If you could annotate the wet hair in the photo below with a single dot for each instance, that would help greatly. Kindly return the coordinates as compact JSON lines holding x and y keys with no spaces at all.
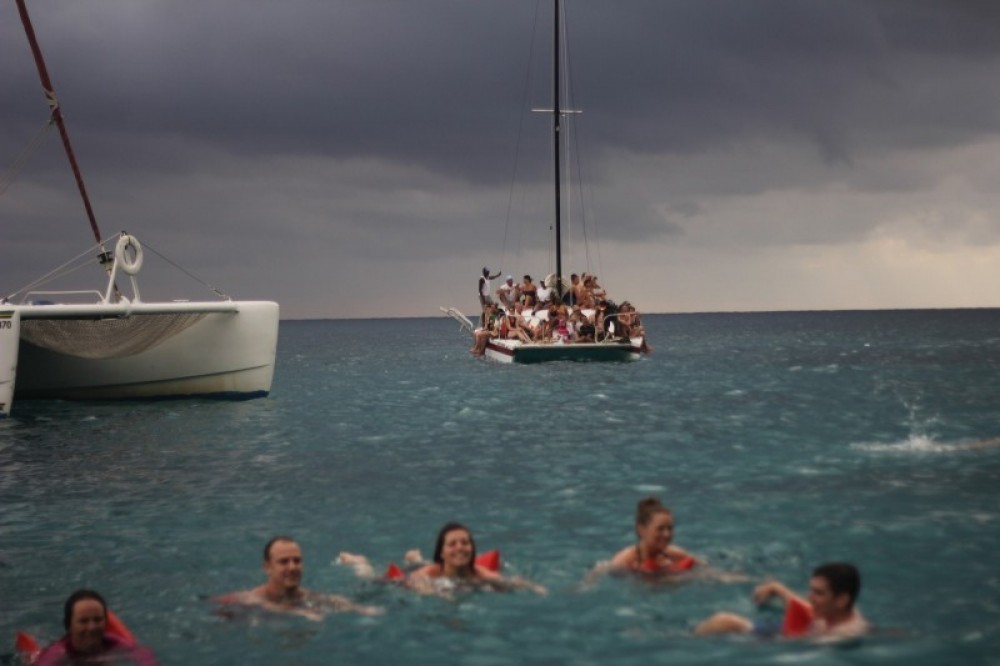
{"x":267,"y":546}
{"x":527,"y":277}
{"x":842,"y":577}
{"x":451,"y":527}
{"x":647,"y":508}
{"x":81,"y":595}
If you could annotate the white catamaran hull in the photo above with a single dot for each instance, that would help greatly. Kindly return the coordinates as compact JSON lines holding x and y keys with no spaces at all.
{"x":224,"y":349}
{"x":515,"y":351}
{"x":88,"y":344}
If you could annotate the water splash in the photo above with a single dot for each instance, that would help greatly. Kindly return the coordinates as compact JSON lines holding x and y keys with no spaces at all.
{"x":924,"y":444}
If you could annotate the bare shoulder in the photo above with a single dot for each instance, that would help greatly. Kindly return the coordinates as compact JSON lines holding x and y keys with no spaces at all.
{"x":246,"y":597}
{"x":427,"y":571}
{"x":625,"y":558}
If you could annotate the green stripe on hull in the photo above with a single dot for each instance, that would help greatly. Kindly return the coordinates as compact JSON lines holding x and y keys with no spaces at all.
{"x":596,"y":353}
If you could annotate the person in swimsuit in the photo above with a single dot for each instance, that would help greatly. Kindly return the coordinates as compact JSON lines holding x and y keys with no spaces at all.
{"x":453,"y":567}
{"x":528,"y":288}
{"x":88,"y":640}
{"x":654,"y":553}
{"x":283,"y":591}
{"x":829,"y":613}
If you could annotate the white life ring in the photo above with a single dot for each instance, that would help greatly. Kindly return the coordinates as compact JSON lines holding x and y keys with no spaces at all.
{"x":129,"y":265}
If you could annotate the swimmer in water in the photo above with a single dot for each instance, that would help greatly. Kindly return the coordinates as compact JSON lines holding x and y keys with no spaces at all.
{"x":654,"y":553}
{"x":88,"y":640}
{"x":283,"y":591}
{"x":829,"y":610}
{"x":453,"y":567}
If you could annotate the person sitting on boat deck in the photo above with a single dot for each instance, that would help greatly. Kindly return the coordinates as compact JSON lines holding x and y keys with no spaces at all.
{"x":455,"y":567}
{"x":629,"y":317}
{"x":528,"y":288}
{"x":601,"y":319}
{"x":654,"y":553}
{"x":543,"y":295}
{"x":88,"y":638}
{"x":828,"y":614}
{"x":508,"y":293}
{"x":608,"y":312}
{"x":515,"y":328}
{"x":548,"y":324}
{"x":563,"y":330}
{"x":582,"y":327}
{"x":481,"y":336}
{"x":283,"y":591}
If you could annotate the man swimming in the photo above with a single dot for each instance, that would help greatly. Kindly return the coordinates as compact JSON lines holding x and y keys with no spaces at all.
{"x":828,"y":614}
{"x":283,"y":591}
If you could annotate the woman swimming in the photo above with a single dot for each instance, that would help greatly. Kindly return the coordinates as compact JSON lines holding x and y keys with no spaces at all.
{"x":654,"y":554}
{"x":454,"y":567}
{"x":89,"y":639}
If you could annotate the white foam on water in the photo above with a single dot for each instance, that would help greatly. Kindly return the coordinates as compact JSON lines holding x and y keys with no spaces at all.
{"x":650,"y":488}
{"x":922,"y":444}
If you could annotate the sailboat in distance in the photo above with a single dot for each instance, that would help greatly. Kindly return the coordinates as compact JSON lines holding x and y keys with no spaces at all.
{"x":108,"y":343}
{"x":566,"y":329}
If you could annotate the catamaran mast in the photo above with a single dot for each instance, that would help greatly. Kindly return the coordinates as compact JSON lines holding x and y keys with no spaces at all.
{"x":556,"y":127}
{"x":56,"y":117}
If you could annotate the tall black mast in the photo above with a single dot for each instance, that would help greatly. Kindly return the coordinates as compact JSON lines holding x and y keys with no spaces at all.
{"x":556,"y":117}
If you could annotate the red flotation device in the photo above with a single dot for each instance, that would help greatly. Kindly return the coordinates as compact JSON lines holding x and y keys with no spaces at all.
{"x":798,"y":618}
{"x":488,"y":560}
{"x":651,"y":566}
{"x":28,"y":648}
{"x":114,"y":625}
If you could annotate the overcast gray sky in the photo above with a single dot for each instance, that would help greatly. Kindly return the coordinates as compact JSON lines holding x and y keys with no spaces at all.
{"x":356,"y":158}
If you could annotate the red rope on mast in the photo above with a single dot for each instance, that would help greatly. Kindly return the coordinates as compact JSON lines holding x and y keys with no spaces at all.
{"x":50,"y":97}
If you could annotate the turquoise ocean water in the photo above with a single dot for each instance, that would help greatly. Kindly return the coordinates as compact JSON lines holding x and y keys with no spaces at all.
{"x":780,"y":440}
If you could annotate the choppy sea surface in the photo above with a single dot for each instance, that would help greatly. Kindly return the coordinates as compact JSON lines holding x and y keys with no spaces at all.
{"x":780,"y":440}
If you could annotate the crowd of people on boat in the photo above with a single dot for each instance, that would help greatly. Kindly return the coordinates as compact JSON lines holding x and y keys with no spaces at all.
{"x":551,"y":312}
{"x":827,"y":612}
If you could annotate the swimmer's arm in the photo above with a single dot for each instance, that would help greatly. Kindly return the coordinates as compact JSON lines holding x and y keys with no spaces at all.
{"x":345,"y":605}
{"x":519,"y":583}
{"x":678,"y":553}
{"x":513,"y":583}
{"x":617,"y":563}
{"x":413,"y":556}
{"x":624,"y":560}
{"x":772,"y":588}
{"x":362,"y":567}
{"x":421,"y":582}
{"x":231,"y":598}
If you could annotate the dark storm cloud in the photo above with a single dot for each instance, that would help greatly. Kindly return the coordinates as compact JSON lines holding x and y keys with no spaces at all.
{"x":382,"y":132}
{"x":439,"y":83}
